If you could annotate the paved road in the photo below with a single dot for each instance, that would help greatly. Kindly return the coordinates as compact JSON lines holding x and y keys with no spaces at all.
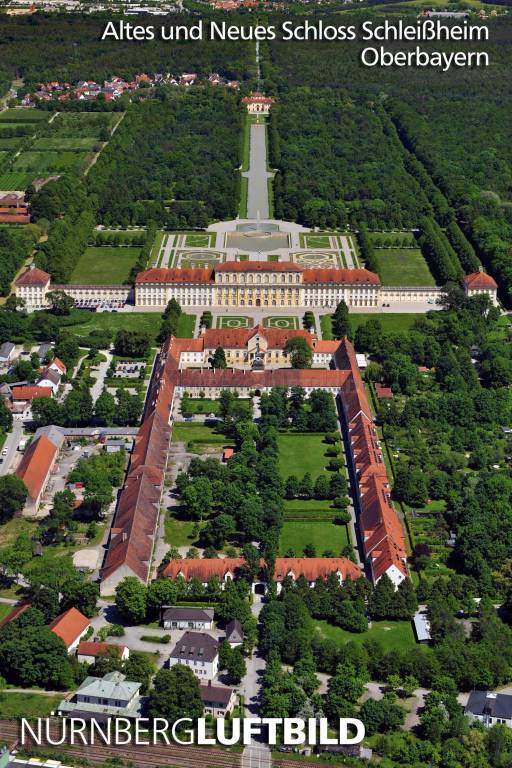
{"x":347,"y":252}
{"x":257,"y":754}
{"x":167,"y":247}
{"x":11,"y":446}
{"x":257,"y":175}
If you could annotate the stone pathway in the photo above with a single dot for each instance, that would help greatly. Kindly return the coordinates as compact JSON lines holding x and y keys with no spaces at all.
{"x":257,"y":175}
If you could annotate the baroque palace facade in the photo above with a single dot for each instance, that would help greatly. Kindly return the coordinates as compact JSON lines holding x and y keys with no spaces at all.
{"x":242,"y":284}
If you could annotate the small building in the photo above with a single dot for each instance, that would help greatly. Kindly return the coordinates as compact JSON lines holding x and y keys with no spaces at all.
{"x":361,"y":361}
{"x":70,"y":626}
{"x":422,"y":627}
{"x":218,"y":701}
{"x":227,"y":453}
{"x":198,"y":651}
{"x":187,"y":618}
{"x":43,"y":350}
{"x":37,"y":463}
{"x":32,"y":286}
{"x":88,"y":651}
{"x":258,"y":103}
{"x":234,"y":633}
{"x":6,"y":352}
{"x":481,"y":283}
{"x":383,"y":392}
{"x":489,"y":708}
{"x":111,"y":695}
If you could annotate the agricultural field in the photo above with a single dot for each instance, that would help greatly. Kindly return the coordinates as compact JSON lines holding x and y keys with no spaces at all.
{"x":403,"y":266}
{"x":105,"y":265}
{"x":23,"y":116}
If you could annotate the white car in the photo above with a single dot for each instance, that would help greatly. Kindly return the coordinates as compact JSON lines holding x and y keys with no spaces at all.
{"x":4,"y":452}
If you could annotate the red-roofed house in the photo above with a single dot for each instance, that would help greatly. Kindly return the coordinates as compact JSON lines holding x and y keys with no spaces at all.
{"x":37,"y":463}
{"x":88,"y":651}
{"x":70,"y":626}
{"x":32,"y":286}
{"x":21,"y":400}
{"x":481,"y":283}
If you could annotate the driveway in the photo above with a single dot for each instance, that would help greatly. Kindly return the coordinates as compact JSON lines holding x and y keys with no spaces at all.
{"x":11,"y":446}
{"x":100,"y":374}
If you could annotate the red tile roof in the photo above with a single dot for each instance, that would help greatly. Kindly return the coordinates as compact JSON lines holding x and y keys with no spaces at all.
{"x":16,"y":611}
{"x":381,"y":528}
{"x":166,"y":275}
{"x":28,"y":393}
{"x":480,"y":280}
{"x":12,"y":218}
{"x":383,"y":392}
{"x":341,"y":276}
{"x":36,"y":464}
{"x":89,"y":648}
{"x":33,"y":276}
{"x":259,"y":266}
{"x":312,"y":568}
{"x":69,"y":625}
{"x":238,"y":338}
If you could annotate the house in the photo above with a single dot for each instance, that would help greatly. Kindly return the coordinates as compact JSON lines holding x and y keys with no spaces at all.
{"x":21,"y":400}
{"x":37,"y":463}
{"x":383,"y":392}
{"x":478,"y":283}
{"x":198,"y":651}
{"x":43,"y":350}
{"x":88,"y":651}
{"x":218,"y":701}
{"x":227,"y":453}
{"x":258,"y":103}
{"x":489,"y":708}
{"x":234,"y":633}
{"x":112,"y":695}
{"x":187,"y":618}
{"x":6,"y":352}
{"x":422,"y":627}
{"x":70,"y":626}
{"x":51,"y":376}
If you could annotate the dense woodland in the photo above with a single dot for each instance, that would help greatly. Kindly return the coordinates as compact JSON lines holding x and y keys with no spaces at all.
{"x":454,"y":128}
{"x":183,"y":170}
{"x":70,"y":48}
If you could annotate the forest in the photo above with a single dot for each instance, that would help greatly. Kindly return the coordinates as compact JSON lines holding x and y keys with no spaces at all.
{"x":183,"y":172}
{"x":69,"y":48}
{"x":454,"y":127}
{"x":15,"y":247}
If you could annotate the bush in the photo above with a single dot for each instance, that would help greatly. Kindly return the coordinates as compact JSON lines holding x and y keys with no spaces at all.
{"x":164,"y":639}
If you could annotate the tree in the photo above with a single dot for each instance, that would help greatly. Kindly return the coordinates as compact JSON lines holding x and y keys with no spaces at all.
{"x":131,"y":343}
{"x":381,"y":716}
{"x":139,"y":668}
{"x":219,"y":359}
{"x":5,"y":417}
{"x":34,"y":657}
{"x":46,"y":410}
{"x":410,"y":485}
{"x":176,"y":694}
{"x":82,"y":595}
{"x":61,"y":304}
{"x":162,"y":592}
{"x":131,"y":600}
{"x":13,"y":494}
{"x":105,"y":407}
{"x":299,"y":351}
{"x":236,"y":666}
{"x":341,"y":321}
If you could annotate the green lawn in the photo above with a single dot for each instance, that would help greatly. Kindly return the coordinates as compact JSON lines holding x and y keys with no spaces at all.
{"x":17,"y":705}
{"x":198,"y":240}
{"x":301,"y":508}
{"x":149,"y":322}
{"x":178,"y":533}
{"x":206,"y":405}
{"x":283,"y":323}
{"x":403,"y":266}
{"x":228,"y":321}
{"x":323,"y":536}
{"x":326,"y":326}
{"x":393,"y":635}
{"x":301,"y":453}
{"x":316,"y":241}
{"x":392,"y":322}
{"x":198,"y":436}
{"x":23,"y":116}
{"x":5,"y":610}
{"x":105,"y":265}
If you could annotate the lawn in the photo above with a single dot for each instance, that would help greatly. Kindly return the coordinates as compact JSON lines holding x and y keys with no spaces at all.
{"x":226,"y":321}
{"x":301,"y":453}
{"x":393,"y":635}
{"x":392,"y":322}
{"x":23,"y":116}
{"x":179,"y":533}
{"x":403,"y":266}
{"x":198,"y":240}
{"x":308,"y":508}
{"x":105,"y":265}
{"x":326,"y":326}
{"x":58,"y":143}
{"x":198,"y":436}
{"x":317,"y":241}
{"x":16,"y":705}
{"x":323,"y":536}
{"x":283,"y":323}
{"x":5,"y":609}
{"x":207,"y":405}
{"x":149,"y":322}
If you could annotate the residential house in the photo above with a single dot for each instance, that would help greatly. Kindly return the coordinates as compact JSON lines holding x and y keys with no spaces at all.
{"x":234,"y":633}
{"x":198,"y":651}
{"x":187,"y":618}
{"x":52,"y":375}
{"x":88,"y":651}
{"x":478,"y":283}
{"x":218,"y":701}
{"x":422,"y":627}
{"x":489,"y":708}
{"x":21,"y":399}
{"x":112,"y":695}
{"x":70,"y":626}
{"x":6,"y":352}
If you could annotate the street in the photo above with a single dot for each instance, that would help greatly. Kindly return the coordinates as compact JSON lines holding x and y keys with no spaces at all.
{"x":11,"y":446}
